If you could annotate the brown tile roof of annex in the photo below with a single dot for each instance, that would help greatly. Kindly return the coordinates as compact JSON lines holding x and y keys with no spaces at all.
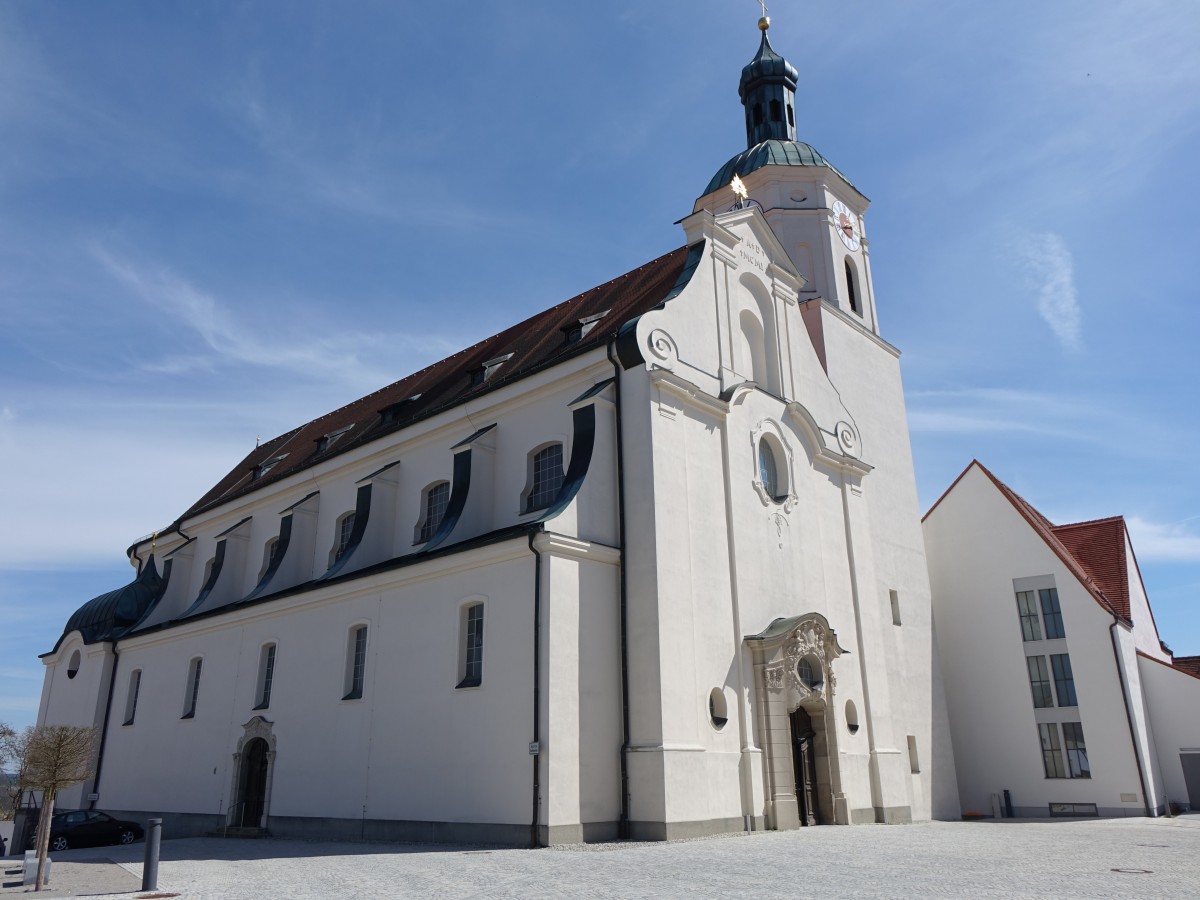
{"x":535,"y":343}
{"x":1118,"y":604}
{"x":1099,"y":546}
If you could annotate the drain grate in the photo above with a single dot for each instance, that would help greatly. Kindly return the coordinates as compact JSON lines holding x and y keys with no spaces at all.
{"x":1133,"y":871}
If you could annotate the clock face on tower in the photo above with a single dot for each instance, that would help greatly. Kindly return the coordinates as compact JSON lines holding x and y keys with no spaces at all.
{"x":846,"y":225}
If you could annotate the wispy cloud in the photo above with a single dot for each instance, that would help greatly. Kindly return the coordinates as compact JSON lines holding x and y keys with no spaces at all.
{"x":345,"y":356}
{"x":1163,"y":541}
{"x":1050,"y":271}
{"x":1002,"y":410}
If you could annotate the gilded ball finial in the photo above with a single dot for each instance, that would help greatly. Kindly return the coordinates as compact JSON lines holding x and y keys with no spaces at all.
{"x":764,"y":23}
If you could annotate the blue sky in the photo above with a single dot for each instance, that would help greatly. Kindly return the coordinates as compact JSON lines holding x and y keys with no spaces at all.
{"x":219,"y":220}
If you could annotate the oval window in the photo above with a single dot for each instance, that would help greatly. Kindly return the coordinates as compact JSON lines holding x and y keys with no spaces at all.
{"x":768,"y":469}
{"x":73,"y":665}
{"x":851,"y":717}
{"x":718,"y":710}
{"x":809,"y":672}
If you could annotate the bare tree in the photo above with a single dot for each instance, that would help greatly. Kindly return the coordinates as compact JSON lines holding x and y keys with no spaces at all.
{"x":53,"y":757}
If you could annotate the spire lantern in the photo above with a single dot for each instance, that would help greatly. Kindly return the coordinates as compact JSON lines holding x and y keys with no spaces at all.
{"x":768,"y":91}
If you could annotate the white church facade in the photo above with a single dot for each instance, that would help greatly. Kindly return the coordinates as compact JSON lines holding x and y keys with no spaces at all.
{"x":1063,"y":699}
{"x":648,"y":564}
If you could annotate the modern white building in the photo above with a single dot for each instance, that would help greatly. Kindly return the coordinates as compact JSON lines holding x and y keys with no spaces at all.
{"x":1059,"y":688}
{"x":648,"y":563}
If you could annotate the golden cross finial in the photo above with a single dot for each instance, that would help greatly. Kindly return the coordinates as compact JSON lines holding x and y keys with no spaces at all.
{"x":765,"y":22}
{"x":153,"y":540}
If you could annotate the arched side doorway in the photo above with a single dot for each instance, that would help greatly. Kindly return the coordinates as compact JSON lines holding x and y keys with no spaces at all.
{"x":253,"y":772}
{"x":794,"y":688}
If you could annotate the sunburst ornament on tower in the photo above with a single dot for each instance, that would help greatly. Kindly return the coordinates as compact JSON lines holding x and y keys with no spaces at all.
{"x":739,"y":188}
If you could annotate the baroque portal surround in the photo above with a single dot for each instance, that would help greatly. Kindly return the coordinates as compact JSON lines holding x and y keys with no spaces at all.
{"x":257,"y":728}
{"x":793,"y":670}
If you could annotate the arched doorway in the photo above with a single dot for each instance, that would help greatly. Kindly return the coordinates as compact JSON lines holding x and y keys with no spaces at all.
{"x":804,"y":765}
{"x":253,"y":772}
{"x":252,"y":799}
{"x":794,"y":712}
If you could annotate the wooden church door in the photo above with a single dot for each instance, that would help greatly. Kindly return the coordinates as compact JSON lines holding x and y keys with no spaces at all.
{"x":804,"y":762}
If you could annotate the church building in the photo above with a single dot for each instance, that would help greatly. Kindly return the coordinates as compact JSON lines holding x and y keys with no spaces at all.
{"x":648,"y":564}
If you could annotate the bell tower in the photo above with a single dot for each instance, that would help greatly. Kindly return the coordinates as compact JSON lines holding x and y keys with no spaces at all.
{"x":813,"y":208}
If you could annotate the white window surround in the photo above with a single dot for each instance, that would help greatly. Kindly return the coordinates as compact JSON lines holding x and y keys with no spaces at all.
{"x":192,"y":688}
{"x":267,"y":657}
{"x":357,"y":645}
{"x":533,"y":497}
{"x":341,"y":535}
{"x":131,"y":697}
{"x":433,"y":508}
{"x":471,"y":625}
{"x":785,"y":493}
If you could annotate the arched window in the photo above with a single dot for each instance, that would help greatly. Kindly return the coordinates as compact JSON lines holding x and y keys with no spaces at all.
{"x":852,"y":287}
{"x":545,"y":477}
{"x":192,"y":690}
{"x":758,"y":114}
{"x":345,"y":527}
{"x":470,"y":667}
{"x":436,"y":497}
{"x":356,"y":663}
{"x":776,"y":111}
{"x":268,"y":555}
{"x":266,"y":676}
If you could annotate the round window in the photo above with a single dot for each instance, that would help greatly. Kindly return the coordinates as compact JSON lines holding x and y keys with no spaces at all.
{"x":718,"y":711}
{"x":809,"y":672}
{"x":73,"y":665}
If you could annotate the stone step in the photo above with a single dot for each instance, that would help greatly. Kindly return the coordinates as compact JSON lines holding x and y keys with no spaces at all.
{"x":241,"y":832}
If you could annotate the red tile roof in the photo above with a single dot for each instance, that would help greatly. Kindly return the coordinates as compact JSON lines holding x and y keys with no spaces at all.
{"x":1093,"y":551}
{"x":1189,"y":664}
{"x":534,"y":344}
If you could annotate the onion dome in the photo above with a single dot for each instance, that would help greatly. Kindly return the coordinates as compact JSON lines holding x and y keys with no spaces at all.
{"x":111,"y":615}
{"x":768,"y":91}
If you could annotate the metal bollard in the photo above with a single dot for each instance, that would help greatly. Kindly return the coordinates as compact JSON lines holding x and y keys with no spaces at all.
{"x":150,"y":866}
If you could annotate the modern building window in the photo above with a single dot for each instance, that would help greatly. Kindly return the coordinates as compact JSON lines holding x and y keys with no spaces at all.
{"x":1031,"y":627}
{"x":1039,"y":681}
{"x":472,"y":665}
{"x":914,"y":763}
{"x":1051,"y":614}
{"x":345,"y":527}
{"x":1052,"y":759}
{"x":266,"y":677}
{"x":356,"y":663}
{"x":1077,"y":760}
{"x":131,"y":698}
{"x":546,"y":477}
{"x":894,"y":598}
{"x":436,"y":499}
{"x":193,"y":688}
{"x":1064,"y":680}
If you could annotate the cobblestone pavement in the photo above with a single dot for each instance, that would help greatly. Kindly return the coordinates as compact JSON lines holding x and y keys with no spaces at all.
{"x":1097,"y":858}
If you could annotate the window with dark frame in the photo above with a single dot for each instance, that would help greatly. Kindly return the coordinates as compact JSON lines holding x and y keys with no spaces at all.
{"x":193,"y":689}
{"x":1039,"y":681}
{"x":131,"y":699}
{"x":473,"y":648}
{"x":1064,"y":679}
{"x":851,"y":288}
{"x":345,"y":529}
{"x":1031,"y":626}
{"x":356,"y":663}
{"x":1077,"y":759}
{"x":547,"y":477}
{"x":1052,"y":759}
{"x":1051,"y":613}
{"x":266,"y":676}
{"x":437,"y":498}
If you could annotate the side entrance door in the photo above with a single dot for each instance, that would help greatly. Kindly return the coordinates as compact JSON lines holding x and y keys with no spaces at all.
{"x":804,"y":762}
{"x":1191,"y":777}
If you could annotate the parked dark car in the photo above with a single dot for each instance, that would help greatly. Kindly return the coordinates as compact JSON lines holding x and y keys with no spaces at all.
{"x":89,"y":828}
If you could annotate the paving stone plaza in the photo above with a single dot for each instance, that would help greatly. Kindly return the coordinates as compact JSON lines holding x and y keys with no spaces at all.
{"x":1093,"y":858}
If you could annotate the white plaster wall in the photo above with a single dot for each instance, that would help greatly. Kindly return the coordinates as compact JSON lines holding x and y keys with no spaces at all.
{"x":1173,"y":698}
{"x":977,"y":544}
